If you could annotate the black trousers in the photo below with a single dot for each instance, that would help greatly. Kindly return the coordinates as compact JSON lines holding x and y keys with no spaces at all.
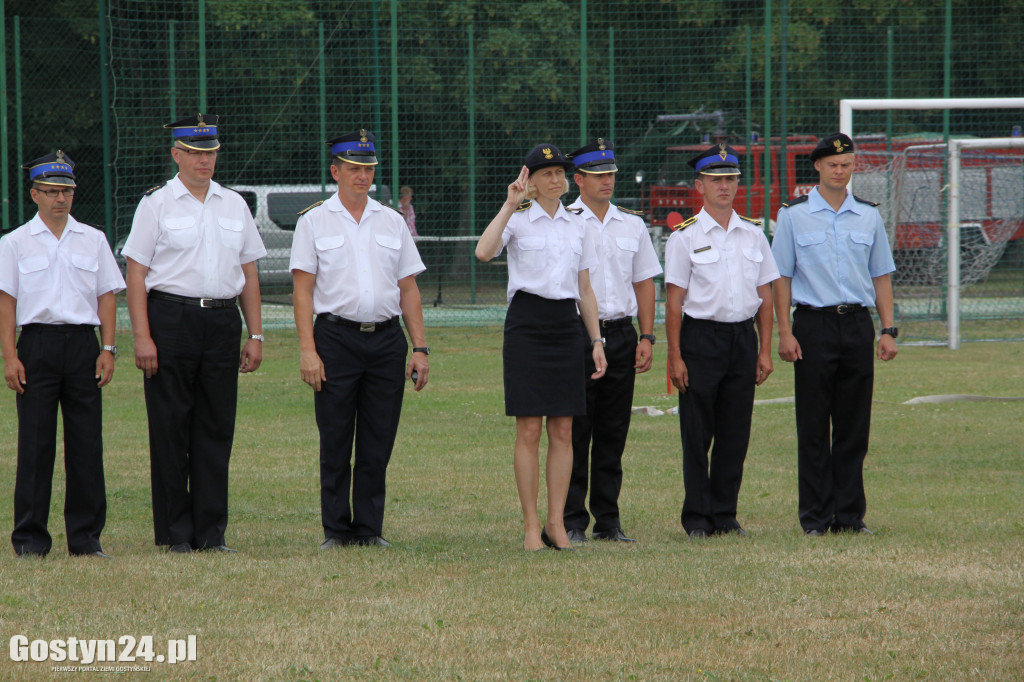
{"x":191,"y":403}
{"x":721,"y":359}
{"x":60,"y":370}
{"x":599,"y":436}
{"x":833,"y":386}
{"x":361,"y":401}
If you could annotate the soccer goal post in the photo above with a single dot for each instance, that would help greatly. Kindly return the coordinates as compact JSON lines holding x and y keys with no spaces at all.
{"x":954,"y":147}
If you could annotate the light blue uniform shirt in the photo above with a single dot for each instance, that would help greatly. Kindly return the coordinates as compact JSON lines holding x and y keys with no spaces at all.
{"x":831,"y":256}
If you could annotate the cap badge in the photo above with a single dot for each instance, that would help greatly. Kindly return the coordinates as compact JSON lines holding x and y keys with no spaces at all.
{"x":362,"y":135}
{"x":600,"y":143}
{"x":547,"y":153}
{"x":60,"y":156}
{"x":838,"y":144}
{"x":721,"y":151}
{"x":200,"y":122}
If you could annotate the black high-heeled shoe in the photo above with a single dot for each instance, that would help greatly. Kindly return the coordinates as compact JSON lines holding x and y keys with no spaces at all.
{"x":551,"y":543}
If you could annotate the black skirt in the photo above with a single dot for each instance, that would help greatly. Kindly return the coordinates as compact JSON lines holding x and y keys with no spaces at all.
{"x":543,"y":359}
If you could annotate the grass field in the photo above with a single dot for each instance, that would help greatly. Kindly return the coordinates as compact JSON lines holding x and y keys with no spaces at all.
{"x":937,"y":594}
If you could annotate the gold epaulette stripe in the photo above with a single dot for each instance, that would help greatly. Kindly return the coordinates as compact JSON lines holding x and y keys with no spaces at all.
{"x":309,"y":208}
{"x":523,"y":206}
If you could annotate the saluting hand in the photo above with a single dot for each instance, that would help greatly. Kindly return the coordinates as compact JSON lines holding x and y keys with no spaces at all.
{"x":517,"y":190}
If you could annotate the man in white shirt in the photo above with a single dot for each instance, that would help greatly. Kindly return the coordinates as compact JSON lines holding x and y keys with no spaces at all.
{"x":718,"y":272}
{"x":623,"y":284}
{"x":58,"y":280}
{"x":355,"y":264}
{"x":191,"y":253}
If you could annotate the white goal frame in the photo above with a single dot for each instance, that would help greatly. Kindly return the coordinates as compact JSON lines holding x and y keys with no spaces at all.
{"x":846,"y":109}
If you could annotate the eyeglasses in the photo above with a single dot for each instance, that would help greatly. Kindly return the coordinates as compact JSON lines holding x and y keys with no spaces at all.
{"x":52,"y":193}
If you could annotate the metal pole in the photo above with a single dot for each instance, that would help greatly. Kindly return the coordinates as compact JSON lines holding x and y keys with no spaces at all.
{"x":172,"y":85}
{"x":783,"y":99}
{"x":766,"y":171}
{"x":18,"y":133}
{"x":376,"y":75}
{"x":394,"y":100}
{"x":472,"y":161}
{"x":947,"y":65}
{"x":4,"y":180}
{"x":611,"y":82}
{"x":890,"y":54}
{"x":953,"y":240}
{"x":108,"y":185}
{"x":748,"y":161}
{"x":202,"y":56}
{"x":323,"y":111}
{"x":583,"y":72}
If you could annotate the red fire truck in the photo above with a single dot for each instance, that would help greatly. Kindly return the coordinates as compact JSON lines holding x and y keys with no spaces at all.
{"x":992,"y":186}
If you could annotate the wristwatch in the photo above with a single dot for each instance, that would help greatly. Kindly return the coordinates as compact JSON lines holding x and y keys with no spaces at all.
{"x":601,"y":339}
{"x":258,"y":337}
{"x":422,"y":349}
{"x":112,"y":349}
{"x":649,"y":337}
{"x":891,"y":331}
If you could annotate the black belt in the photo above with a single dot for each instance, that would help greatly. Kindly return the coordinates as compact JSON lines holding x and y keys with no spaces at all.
{"x":841,"y":309}
{"x":185,"y":300}
{"x":716,"y":323}
{"x":46,"y":327}
{"x":626,"y":321}
{"x":368,"y":327}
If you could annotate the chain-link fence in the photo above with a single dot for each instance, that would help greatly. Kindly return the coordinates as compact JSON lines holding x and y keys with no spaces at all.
{"x":457,"y":91}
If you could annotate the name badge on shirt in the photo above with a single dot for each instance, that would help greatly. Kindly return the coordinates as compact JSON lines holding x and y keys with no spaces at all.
{"x":702,"y":249}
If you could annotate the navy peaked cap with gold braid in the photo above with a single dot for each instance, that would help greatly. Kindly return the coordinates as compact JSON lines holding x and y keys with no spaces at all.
{"x":355,"y":147}
{"x":196,"y":132}
{"x":718,"y":159}
{"x":594,"y":157}
{"x":53,"y":169}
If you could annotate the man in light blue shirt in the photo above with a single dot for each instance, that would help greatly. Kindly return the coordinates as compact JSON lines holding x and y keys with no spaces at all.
{"x":835,"y":263}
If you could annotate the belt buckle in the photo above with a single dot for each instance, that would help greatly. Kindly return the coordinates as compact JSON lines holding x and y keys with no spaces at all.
{"x":203,"y":302}
{"x":844,"y":308}
{"x":367,"y":326}
{"x":603,"y":323}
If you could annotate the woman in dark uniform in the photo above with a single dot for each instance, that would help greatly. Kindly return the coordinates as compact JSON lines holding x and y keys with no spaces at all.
{"x":549,"y":256}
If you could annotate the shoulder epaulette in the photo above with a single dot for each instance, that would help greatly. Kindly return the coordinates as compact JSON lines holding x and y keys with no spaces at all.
{"x":630,"y":211}
{"x":753,"y":221}
{"x":575,"y":211}
{"x":396,"y":210}
{"x":153,"y":189}
{"x":865,"y":201}
{"x":523,"y":206}
{"x":795,"y":200}
{"x":685,"y":224}
{"x":309,"y":208}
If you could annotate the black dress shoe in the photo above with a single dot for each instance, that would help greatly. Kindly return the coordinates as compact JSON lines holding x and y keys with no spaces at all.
{"x":372,"y":541}
{"x":697,"y":533}
{"x":577,"y":536}
{"x":180,"y":548}
{"x":864,"y":530}
{"x":615,"y":535}
{"x":551,"y":543}
{"x":735,"y":530}
{"x":814,"y":532}
{"x":331,"y":543}
{"x":99,"y":554}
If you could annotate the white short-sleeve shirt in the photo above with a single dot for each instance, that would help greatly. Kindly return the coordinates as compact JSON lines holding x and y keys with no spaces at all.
{"x":357,"y":265}
{"x":625,"y":255}
{"x":545,"y":254}
{"x":57,"y":281}
{"x":194,"y":248}
{"x":720,"y":269}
